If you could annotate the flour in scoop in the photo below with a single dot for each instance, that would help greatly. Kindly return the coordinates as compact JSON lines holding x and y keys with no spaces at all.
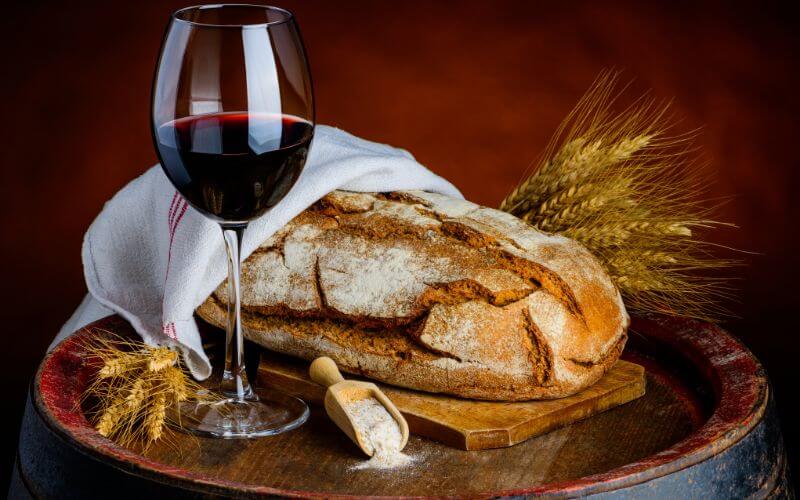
{"x":379,"y":432}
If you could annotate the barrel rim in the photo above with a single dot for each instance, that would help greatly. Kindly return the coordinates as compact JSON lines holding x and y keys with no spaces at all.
{"x":740,"y":386}
{"x":739,"y":383}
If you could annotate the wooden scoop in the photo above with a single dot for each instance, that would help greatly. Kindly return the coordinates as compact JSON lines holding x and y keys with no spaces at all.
{"x":341,"y":392}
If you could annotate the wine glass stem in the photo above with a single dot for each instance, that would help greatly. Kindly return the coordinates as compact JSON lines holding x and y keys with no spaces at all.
{"x":234,"y":379}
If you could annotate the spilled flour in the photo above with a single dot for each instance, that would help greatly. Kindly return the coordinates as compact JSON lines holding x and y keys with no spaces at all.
{"x":380,"y":434}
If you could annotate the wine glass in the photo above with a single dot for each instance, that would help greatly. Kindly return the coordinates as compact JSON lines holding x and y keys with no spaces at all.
{"x":232,"y":122}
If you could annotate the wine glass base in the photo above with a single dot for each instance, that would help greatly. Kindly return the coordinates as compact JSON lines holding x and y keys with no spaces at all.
{"x":272,"y":413}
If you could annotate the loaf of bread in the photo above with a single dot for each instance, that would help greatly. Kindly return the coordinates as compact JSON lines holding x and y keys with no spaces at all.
{"x":432,"y":293}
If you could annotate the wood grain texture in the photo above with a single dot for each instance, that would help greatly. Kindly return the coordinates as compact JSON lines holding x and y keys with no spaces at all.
{"x":703,"y":429}
{"x":468,"y":424}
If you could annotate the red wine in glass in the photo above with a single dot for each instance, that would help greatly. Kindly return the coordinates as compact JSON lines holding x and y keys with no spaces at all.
{"x":234,"y":166}
{"x":232,"y":123}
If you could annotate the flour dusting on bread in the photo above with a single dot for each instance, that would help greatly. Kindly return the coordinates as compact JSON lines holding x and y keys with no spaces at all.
{"x":433,"y":293}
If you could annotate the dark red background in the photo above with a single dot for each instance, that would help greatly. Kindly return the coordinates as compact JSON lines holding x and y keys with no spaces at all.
{"x":473,"y":89}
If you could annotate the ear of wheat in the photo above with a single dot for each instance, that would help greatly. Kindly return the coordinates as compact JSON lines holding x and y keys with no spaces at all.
{"x":135,"y":385}
{"x":625,"y":188}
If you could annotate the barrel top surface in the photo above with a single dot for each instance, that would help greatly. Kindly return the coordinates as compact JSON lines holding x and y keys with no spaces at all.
{"x":705,"y":391}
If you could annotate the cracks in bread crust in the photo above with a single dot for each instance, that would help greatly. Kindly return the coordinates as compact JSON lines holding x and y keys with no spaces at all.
{"x":394,"y":342}
{"x":321,"y":300}
{"x":382,"y":227}
{"x":540,"y":353}
{"x":370,"y":218}
{"x":464,"y":290}
{"x":277,"y":246}
{"x":612,"y":353}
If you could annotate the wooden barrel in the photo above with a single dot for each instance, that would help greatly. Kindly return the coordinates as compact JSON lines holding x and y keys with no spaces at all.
{"x":705,"y":428}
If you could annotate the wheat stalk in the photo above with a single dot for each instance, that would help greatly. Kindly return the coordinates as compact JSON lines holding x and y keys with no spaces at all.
{"x":161,"y":358}
{"x":176,"y":384}
{"x":156,"y":417}
{"x":136,"y":395}
{"x":110,"y":417}
{"x":134,"y":388}
{"x":622,"y":186}
{"x":115,"y":367}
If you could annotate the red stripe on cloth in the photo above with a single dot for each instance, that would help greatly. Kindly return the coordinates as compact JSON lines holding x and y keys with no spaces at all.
{"x":170,"y":327}
{"x":169,"y":331}
{"x":180,"y":216}
{"x":171,"y":212}
{"x":184,"y":205}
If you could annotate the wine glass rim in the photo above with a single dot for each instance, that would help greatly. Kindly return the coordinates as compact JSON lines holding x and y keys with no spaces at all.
{"x":287,"y":15}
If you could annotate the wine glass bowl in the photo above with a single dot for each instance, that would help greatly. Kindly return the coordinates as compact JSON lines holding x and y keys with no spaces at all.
{"x":233,"y":108}
{"x":232,"y":123}
{"x":234,"y":166}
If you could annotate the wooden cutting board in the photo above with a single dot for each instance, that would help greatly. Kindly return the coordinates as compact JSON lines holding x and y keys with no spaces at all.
{"x":469,"y":424}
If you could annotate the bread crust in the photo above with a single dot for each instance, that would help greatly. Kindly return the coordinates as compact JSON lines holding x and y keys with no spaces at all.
{"x":432,"y":293}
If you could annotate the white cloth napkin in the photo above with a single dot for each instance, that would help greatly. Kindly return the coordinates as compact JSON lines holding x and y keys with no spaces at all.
{"x":153,"y":259}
